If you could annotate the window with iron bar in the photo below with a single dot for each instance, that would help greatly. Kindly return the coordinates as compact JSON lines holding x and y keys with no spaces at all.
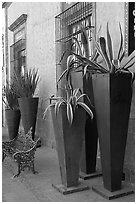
{"x":70,"y":23}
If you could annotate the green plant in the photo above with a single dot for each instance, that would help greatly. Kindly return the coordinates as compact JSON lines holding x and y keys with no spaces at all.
{"x":9,"y":93}
{"x":104,"y":49}
{"x":26,"y":84}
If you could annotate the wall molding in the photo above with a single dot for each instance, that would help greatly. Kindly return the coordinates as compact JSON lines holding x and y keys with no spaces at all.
{"x":19,"y":21}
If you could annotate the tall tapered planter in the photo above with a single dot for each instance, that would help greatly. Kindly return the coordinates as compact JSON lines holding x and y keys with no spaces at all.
{"x":69,"y":140}
{"x":112,"y":95}
{"x":89,"y":152}
{"x":28,"y":108}
{"x":13,"y":121}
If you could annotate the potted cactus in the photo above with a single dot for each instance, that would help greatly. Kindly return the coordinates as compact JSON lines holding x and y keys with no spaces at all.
{"x":12,"y":112}
{"x":112,"y":86}
{"x":68,"y":115}
{"x":25,"y":86}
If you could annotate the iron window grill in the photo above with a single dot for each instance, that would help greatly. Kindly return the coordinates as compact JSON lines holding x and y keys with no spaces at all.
{"x":70,"y":23}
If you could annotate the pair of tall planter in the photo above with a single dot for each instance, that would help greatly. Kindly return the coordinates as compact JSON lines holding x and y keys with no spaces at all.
{"x":27,"y":111}
{"x":112,"y":95}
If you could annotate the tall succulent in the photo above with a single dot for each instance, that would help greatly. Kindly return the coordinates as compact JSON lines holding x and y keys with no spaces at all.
{"x":26,"y":84}
{"x":10,"y":97}
{"x":103,"y":48}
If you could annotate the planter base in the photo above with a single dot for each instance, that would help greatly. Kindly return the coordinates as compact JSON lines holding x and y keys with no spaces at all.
{"x":125,"y":190}
{"x":64,"y":190}
{"x":88,"y":176}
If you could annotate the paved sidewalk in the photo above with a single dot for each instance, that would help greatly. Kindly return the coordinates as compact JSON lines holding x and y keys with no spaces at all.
{"x":38,"y":188}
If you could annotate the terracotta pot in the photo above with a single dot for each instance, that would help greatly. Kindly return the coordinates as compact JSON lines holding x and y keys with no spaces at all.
{"x":112,"y":95}
{"x":69,"y":140}
{"x":13,"y":121}
{"x":28,"y":108}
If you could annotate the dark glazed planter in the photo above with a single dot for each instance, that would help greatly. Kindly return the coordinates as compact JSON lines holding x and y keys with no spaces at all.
{"x":89,"y":152}
{"x":69,"y":140}
{"x":28,"y":108}
{"x":13,"y":121}
{"x":112,"y":95}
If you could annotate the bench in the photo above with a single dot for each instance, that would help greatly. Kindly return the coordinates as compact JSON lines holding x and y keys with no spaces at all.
{"x":22,"y":149}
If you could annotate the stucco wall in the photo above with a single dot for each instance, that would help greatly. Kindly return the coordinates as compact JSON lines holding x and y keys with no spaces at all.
{"x":113,"y":13}
{"x":40,"y":36}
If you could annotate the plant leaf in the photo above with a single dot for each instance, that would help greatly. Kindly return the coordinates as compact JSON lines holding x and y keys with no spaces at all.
{"x":75,"y":92}
{"x":57,"y":106}
{"x":86,"y":108}
{"x":121,"y":42}
{"x":122,"y":56}
{"x":82,"y":95}
{"x":109,"y":43}
{"x":103,"y":49}
{"x":78,"y":45}
{"x":93,"y":64}
{"x":69,"y":113}
{"x":130,"y":65}
{"x":45,"y":112}
{"x":64,"y":72}
{"x":128,"y":61}
{"x":84,"y":40}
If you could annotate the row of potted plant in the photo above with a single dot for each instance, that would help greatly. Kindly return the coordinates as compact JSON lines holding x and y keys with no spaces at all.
{"x":112,"y":90}
{"x":20,"y":102}
{"x":111,"y":82}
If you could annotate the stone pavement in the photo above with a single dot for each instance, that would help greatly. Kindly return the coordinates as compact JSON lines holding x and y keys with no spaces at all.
{"x":38,"y":188}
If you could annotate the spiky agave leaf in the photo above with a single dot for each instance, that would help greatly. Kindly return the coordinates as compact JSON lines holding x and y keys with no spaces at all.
{"x":75,"y":91}
{"x":124,"y":67}
{"x":57,"y":106}
{"x":82,"y":95}
{"x":78,"y":45}
{"x":103,"y":49}
{"x":100,"y":52}
{"x":128,"y":60}
{"x":85,"y":42}
{"x":64,"y":72}
{"x":93,"y":64}
{"x":69,"y":113}
{"x":121,"y":42}
{"x":122,"y":56}
{"x":45,"y":112}
{"x":109,"y":43}
{"x":85,"y":69}
{"x":86,"y":108}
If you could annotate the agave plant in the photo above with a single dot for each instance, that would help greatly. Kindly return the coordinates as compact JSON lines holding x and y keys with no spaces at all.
{"x":72,"y":102}
{"x":9,"y":93}
{"x":103,"y":48}
{"x":73,"y":96}
{"x":26,"y":84}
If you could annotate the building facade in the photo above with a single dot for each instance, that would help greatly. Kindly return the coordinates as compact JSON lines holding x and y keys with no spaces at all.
{"x":31,"y":40}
